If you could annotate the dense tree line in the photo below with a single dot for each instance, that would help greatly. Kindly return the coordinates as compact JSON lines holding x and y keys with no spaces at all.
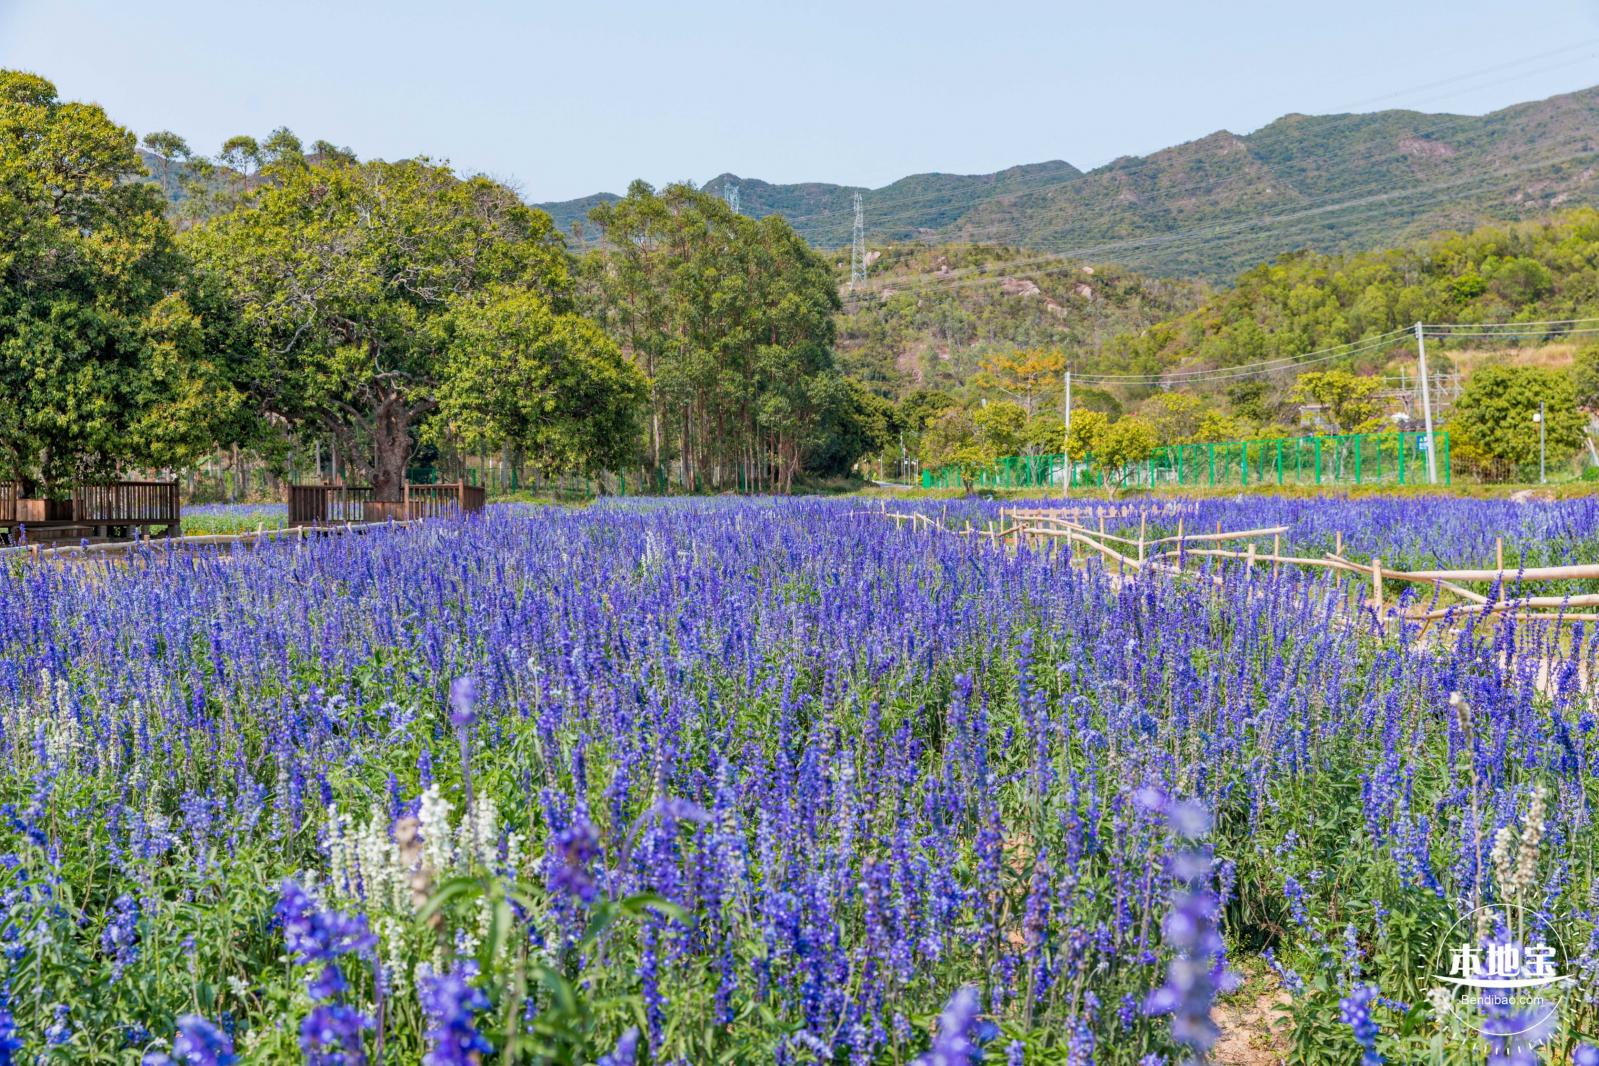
{"x":279,"y":294}
{"x":385,"y":302}
{"x":731,"y":320}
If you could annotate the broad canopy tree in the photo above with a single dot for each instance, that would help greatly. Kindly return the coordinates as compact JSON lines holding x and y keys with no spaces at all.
{"x":104,"y":363}
{"x":551,"y":386}
{"x":1493,"y":421}
{"x":379,"y":296}
{"x":1024,"y":375}
{"x":1349,"y":401}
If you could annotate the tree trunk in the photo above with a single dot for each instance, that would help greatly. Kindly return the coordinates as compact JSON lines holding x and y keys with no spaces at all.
{"x":391,"y":449}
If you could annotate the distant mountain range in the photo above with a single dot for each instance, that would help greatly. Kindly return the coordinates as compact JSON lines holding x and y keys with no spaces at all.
{"x":1217,"y":205}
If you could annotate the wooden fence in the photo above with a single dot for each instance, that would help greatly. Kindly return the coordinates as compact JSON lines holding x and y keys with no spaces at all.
{"x":317,"y":505}
{"x":314,"y":505}
{"x":127,"y":503}
{"x":431,"y":501}
{"x":1171,"y":553}
{"x":95,"y":510}
{"x":1162,"y":551}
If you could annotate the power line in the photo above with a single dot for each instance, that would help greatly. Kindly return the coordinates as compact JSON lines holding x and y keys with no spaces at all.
{"x":1316,"y":207}
{"x":1540,"y":334}
{"x":1325,"y":355}
{"x":1377,"y":191}
{"x":1516,"y":324}
{"x":1335,"y":351}
{"x":1507,"y":65}
{"x":1242,"y":228}
{"x":879,"y":203}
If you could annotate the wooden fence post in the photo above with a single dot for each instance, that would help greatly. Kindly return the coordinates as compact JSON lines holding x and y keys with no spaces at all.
{"x":1249,"y":561}
{"x":1499,"y":554}
{"x":1376,"y":589}
{"x":1338,"y":542}
{"x":1276,"y":551}
{"x":1141,"y":526}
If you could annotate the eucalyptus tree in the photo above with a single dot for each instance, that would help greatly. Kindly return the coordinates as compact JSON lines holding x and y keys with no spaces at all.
{"x":731,"y":321}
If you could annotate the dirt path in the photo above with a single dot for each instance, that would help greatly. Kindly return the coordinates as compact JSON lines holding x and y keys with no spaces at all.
{"x":1254,"y":1027}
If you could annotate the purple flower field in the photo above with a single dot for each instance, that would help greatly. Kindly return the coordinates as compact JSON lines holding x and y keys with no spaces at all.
{"x":756,"y":781}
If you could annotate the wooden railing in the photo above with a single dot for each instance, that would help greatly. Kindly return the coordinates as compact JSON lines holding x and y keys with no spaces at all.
{"x":431,"y":501}
{"x":311,"y":505}
{"x":127,"y":503}
{"x":162,"y":547}
{"x":119,"y":504}
{"x":314,"y":505}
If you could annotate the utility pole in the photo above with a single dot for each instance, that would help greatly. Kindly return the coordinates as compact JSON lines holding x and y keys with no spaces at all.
{"x":857,"y":246}
{"x":1066,"y":439}
{"x":1426,"y":404}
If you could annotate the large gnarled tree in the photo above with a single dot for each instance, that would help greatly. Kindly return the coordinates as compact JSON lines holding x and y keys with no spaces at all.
{"x":355,"y":280}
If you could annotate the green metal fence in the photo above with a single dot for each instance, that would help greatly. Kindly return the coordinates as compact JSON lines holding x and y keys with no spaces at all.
{"x":1396,"y":458}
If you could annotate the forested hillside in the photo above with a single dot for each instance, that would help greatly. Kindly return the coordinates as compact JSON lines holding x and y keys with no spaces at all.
{"x":956,"y":303}
{"x":761,"y":365}
{"x":1222,"y":203}
{"x":1338,"y":182}
{"x":980,"y":346}
{"x":1534,"y":271}
{"x":936,"y":311}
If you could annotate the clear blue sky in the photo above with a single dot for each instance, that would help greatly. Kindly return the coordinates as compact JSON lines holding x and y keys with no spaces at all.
{"x":570,"y":98}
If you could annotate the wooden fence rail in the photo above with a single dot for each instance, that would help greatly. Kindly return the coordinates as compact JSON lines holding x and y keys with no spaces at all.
{"x":261,"y":535}
{"x":1017,"y":526}
{"x":430,"y":501}
{"x":317,"y":505}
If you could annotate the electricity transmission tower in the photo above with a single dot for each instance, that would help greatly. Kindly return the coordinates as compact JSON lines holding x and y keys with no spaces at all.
{"x":857,"y":248}
{"x":730,"y":193}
